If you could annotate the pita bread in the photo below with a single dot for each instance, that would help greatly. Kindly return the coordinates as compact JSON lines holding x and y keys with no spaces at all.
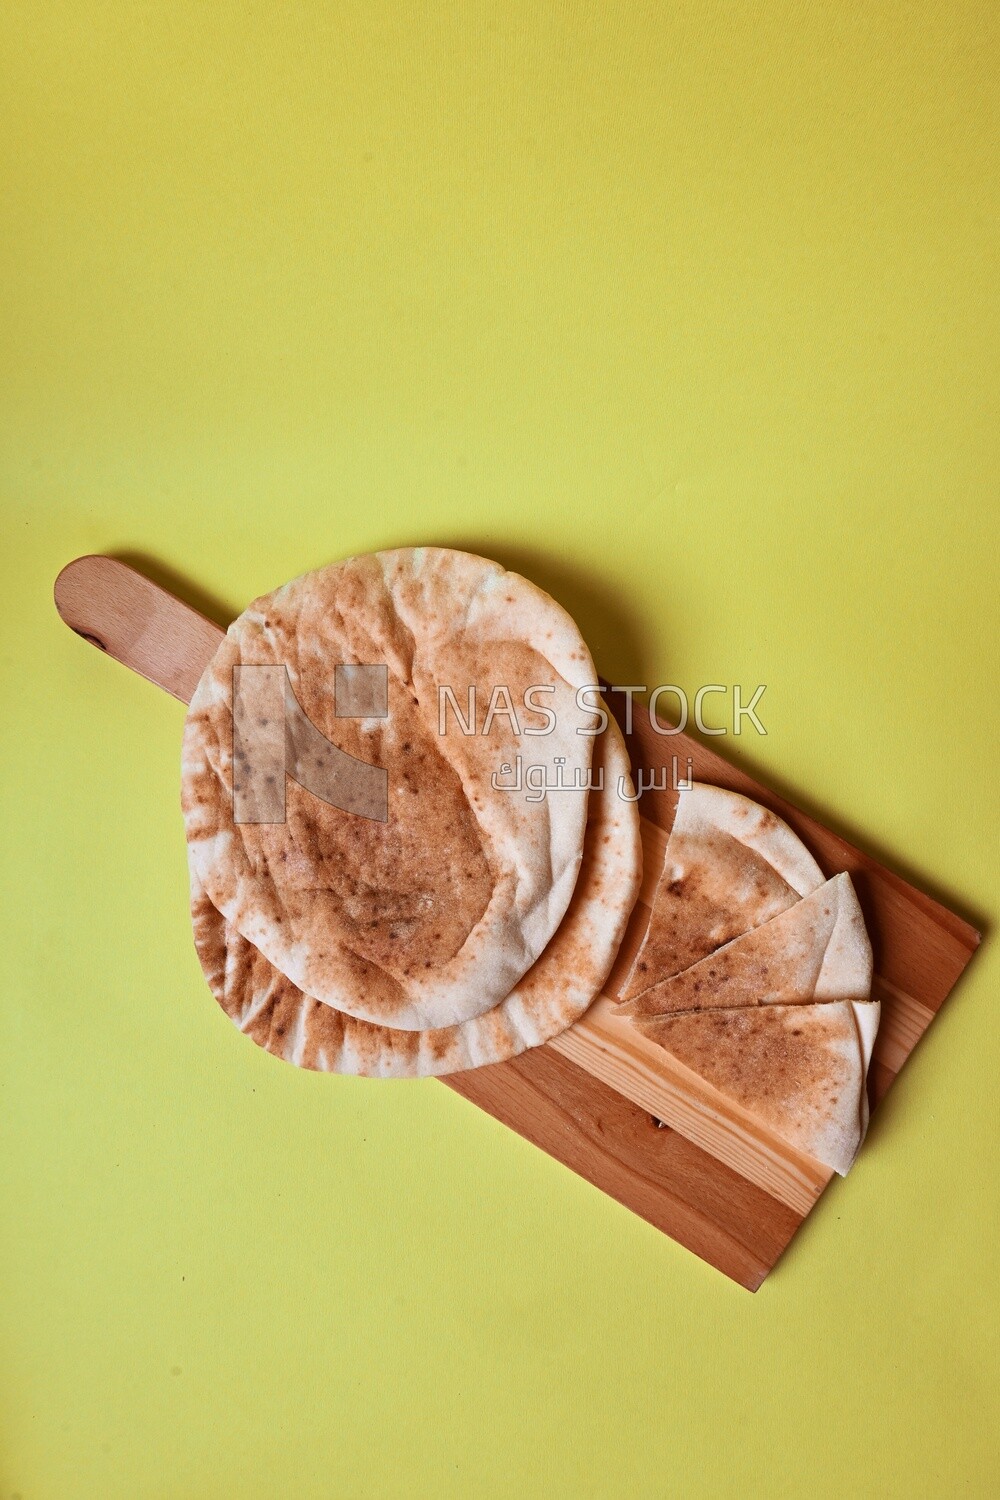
{"x":431,"y":917}
{"x":560,"y":986}
{"x":800,"y":1068}
{"x":730,"y":865}
{"x":816,"y":950}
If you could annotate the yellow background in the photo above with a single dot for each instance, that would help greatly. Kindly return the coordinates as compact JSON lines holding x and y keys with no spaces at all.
{"x":689,"y":310}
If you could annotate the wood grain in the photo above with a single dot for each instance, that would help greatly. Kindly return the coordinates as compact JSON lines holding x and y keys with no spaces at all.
{"x":713,"y":1178}
{"x":656,"y":1172}
{"x":610,"y":1048}
{"x":138,"y":623}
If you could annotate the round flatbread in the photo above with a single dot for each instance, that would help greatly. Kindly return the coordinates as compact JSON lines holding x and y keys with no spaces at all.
{"x":275,"y":1013}
{"x":431,"y":916}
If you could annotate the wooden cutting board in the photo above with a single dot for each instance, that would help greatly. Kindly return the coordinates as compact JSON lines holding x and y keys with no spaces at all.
{"x":600,"y":1098}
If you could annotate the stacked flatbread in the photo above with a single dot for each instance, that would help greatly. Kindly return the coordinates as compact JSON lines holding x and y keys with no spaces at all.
{"x":375,"y":891}
{"x":756,"y":972}
{"x":470,"y":917}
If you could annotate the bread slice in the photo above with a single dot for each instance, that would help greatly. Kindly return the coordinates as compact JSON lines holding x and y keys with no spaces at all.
{"x":802,"y":1069}
{"x":730,"y":865}
{"x":817,"y":949}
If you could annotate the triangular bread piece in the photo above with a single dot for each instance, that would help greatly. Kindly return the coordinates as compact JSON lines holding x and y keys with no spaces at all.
{"x":730,"y":866}
{"x":802,"y":1069}
{"x":816,"y":950}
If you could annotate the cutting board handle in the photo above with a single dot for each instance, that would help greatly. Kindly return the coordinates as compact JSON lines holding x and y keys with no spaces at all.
{"x":140,"y":624}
